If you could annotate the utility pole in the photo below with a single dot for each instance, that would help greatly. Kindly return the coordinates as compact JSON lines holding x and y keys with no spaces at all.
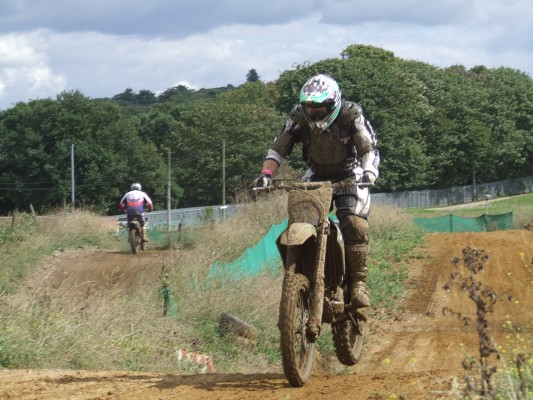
{"x":474,"y":195}
{"x":72,"y":190}
{"x":223,"y":179}
{"x":168,"y":193}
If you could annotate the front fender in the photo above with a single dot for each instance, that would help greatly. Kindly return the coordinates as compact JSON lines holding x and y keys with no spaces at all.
{"x":297,"y":233}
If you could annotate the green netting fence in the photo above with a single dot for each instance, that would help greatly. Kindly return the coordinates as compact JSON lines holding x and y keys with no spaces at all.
{"x":264,"y":256}
{"x":453,"y":223}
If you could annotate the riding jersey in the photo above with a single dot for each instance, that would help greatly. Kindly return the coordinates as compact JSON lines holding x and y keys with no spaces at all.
{"x":349,"y":142}
{"x":134,"y":202}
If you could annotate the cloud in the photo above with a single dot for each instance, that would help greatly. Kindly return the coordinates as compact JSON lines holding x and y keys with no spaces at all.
{"x":102,"y":47}
{"x":24,"y":72}
{"x":406,"y":11}
{"x":172,"y":18}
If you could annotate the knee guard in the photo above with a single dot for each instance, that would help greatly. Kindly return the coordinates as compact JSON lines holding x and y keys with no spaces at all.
{"x":354,"y":229}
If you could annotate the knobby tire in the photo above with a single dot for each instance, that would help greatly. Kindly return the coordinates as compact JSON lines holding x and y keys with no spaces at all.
{"x":297,"y":352}
{"x":348,"y":339}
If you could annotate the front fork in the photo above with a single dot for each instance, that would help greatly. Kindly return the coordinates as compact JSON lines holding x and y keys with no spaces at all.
{"x":316,"y":298}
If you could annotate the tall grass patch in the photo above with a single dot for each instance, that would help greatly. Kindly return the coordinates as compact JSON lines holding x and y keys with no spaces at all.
{"x":73,"y":328}
{"x":393,"y":238}
{"x":31,"y":239}
{"x":79,"y":326}
{"x":200,"y":300}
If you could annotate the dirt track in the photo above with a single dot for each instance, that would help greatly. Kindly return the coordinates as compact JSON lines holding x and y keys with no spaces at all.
{"x":414,"y":354}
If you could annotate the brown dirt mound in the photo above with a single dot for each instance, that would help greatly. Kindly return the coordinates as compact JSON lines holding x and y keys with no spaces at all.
{"x":412,"y":355}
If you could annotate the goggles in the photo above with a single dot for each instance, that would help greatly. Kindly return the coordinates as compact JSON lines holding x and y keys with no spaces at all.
{"x":316,"y":112}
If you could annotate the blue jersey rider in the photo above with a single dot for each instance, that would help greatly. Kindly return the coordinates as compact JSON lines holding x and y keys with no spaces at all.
{"x":134,"y":203}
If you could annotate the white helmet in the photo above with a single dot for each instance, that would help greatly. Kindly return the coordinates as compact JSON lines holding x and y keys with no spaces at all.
{"x":136,"y":186}
{"x":320,"y":98}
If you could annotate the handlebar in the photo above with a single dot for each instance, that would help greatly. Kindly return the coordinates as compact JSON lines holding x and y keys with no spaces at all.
{"x":280,"y":184}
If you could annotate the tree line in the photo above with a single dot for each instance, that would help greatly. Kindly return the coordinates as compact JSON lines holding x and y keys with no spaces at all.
{"x":436,"y":127}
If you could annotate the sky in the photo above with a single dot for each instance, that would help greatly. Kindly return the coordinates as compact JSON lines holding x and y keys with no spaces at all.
{"x":103,"y":47}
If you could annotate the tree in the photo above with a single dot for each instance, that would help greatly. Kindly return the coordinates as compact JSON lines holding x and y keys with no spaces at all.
{"x":146,"y":97}
{"x":257,"y":93}
{"x":376,"y":81}
{"x":435,"y":128}
{"x":246,"y":129}
{"x":35,"y":141}
{"x":252,"y":76}
{"x":127,"y":95}
{"x":509,"y":119}
{"x":177,"y":94}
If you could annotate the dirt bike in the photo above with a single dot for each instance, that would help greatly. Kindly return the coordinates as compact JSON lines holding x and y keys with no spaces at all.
{"x":315,"y":288}
{"x":135,"y":234}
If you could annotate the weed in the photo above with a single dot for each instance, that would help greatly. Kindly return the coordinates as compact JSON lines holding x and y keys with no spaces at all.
{"x":485,"y":298}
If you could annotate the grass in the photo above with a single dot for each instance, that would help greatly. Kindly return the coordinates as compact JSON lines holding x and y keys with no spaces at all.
{"x":521,"y":206}
{"x":66,"y":327}
{"x":28,"y":240}
{"x":123,"y":329}
{"x":393,"y":239}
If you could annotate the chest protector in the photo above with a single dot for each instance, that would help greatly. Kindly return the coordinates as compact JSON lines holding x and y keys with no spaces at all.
{"x":331,"y":153}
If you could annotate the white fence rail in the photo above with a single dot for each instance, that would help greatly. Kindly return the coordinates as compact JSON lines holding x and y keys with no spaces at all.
{"x":412,"y":199}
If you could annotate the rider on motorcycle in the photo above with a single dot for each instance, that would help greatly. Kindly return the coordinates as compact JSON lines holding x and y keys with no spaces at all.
{"x":133,"y":204}
{"x":338,"y":143}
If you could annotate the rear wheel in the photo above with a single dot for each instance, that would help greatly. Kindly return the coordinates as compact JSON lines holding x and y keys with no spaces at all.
{"x":348,"y":338}
{"x":297,"y":351}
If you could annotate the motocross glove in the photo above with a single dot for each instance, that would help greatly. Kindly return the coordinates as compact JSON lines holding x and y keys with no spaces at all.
{"x":264,"y":180}
{"x":368,"y":177}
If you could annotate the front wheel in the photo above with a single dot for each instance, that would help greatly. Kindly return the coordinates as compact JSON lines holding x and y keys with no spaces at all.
{"x":348,"y":338}
{"x":298,"y":353}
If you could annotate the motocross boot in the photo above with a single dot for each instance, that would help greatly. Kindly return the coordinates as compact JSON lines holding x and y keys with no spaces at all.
{"x":144,"y":236}
{"x":357,"y":271}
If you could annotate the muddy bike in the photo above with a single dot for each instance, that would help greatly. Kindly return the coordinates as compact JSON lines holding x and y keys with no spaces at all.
{"x":315,"y":286}
{"x":135,"y":234}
